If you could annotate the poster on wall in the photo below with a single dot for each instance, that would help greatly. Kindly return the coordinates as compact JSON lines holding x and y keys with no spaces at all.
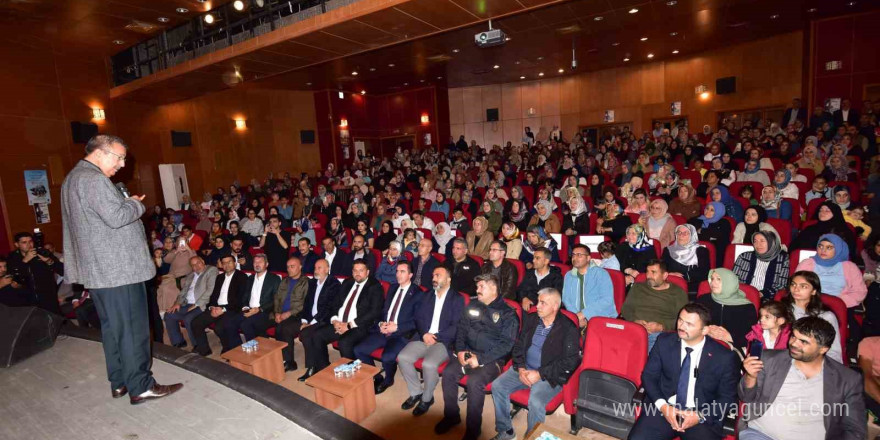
{"x":832,"y":105}
{"x":676,"y":108}
{"x":427,"y":139}
{"x":41,"y":213}
{"x":36,"y":182}
{"x":345,"y":141}
{"x":360,"y":149}
{"x":609,"y":116}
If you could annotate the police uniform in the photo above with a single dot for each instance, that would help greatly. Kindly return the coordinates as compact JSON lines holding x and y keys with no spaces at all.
{"x":489,"y":332}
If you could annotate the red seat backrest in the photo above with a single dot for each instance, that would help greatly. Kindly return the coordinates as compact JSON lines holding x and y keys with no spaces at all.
{"x":783,"y":227}
{"x":440,"y":257}
{"x":812,"y":207}
{"x":618,"y":280}
{"x":385,"y":286}
{"x":752,"y":294}
{"x":713,"y":263}
{"x":616,"y":347}
{"x":517,"y":308}
{"x":838,"y":307}
{"x":520,"y":269}
{"x":564,"y":268}
{"x":730,"y":254}
{"x":436,"y":217}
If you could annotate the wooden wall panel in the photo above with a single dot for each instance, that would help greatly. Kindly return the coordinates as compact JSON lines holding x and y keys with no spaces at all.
{"x":511,"y":101}
{"x":456,"y":106}
{"x":472,"y":99}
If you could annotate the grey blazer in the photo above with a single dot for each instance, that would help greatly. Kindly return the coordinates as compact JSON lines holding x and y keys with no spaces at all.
{"x":840,"y":386}
{"x":104,"y":239}
{"x":204,"y":287}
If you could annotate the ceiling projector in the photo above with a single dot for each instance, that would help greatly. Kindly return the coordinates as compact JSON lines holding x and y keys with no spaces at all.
{"x":492,"y":37}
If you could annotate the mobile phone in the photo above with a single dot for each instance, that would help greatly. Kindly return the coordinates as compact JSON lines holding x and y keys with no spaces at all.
{"x":756,"y":349}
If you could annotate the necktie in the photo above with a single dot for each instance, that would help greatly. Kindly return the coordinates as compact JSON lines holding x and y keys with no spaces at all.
{"x":350,"y":302}
{"x":683,"y":379}
{"x":396,"y":305}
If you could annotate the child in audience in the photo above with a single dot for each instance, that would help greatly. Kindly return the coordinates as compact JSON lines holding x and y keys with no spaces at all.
{"x":773,"y":328}
{"x":747,"y":193}
{"x":855,"y":218}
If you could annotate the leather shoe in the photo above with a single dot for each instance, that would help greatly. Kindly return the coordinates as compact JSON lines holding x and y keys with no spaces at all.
{"x":156,"y":392}
{"x":290,"y":366}
{"x":382,"y":386}
{"x":119,"y":392}
{"x":411,"y":402}
{"x":445,"y":424}
{"x":309,"y":373}
{"x":423,"y":407}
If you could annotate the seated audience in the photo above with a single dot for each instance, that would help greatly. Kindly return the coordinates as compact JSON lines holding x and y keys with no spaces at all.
{"x":765,"y":268}
{"x":289,"y":301}
{"x":227,"y":299}
{"x":545,"y":218}
{"x":257,"y":305}
{"x":576,"y":221}
{"x":587,"y":290}
{"x":195,"y":292}
{"x":840,"y":277}
{"x":829,"y":220}
{"x":440,"y":239}
{"x":385,"y":236}
{"x":733,"y":313}
{"x":774,"y":205}
{"x":686,"y":258}
{"x":635,"y":253}
{"x":275,"y":243}
{"x":753,"y":173}
{"x":462,"y":268}
{"x":754,"y":220}
{"x":818,"y":190}
{"x":387,"y":270}
{"x":773,"y":328}
{"x":686,"y":204}
{"x":238,"y":251}
{"x":306,"y":257}
{"x":542,"y":275}
{"x":179,"y":267}
{"x":654,"y":303}
{"x":869,"y":363}
{"x":480,"y":238}
{"x":712,"y":227}
{"x":322,"y":300}
{"x":340,"y":264}
{"x":732,"y":207}
{"x":804,"y":299}
{"x":513,"y":239}
{"x":503,"y":270}
{"x":659,"y":224}
{"x":536,"y":238}
{"x":614,"y":224}
{"x":423,"y":264}
{"x":784,"y":186}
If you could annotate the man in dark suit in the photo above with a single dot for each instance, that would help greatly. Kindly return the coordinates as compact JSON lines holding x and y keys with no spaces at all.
{"x":340,"y":264}
{"x":793,"y":113}
{"x":819,"y":117}
{"x":827,"y":395}
{"x":396,"y":327}
{"x":423,"y":264}
{"x":318,"y":305}
{"x":225,"y":301}
{"x":690,"y":379}
{"x":846,"y":114}
{"x":359,"y":251}
{"x":243,"y":259}
{"x":257,"y":304}
{"x":306,"y":256}
{"x":360,"y":309}
{"x":436,"y":326}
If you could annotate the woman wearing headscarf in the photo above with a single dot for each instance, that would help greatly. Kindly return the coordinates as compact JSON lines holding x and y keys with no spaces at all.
{"x":829,"y":220}
{"x":810,"y":159}
{"x":494,"y":217}
{"x":843,"y":198}
{"x":686,"y":204}
{"x":659,"y":224}
{"x":545,"y":218}
{"x":871,"y":256}
{"x":513,"y":239}
{"x":753,"y":173}
{"x":440,"y":204}
{"x":614,"y":223}
{"x":635,"y":253}
{"x":468,"y":204}
{"x":732,"y":206}
{"x":638,"y":203}
{"x":765,"y":268}
{"x":336,"y":230}
{"x":385,"y":237}
{"x":840,"y":277}
{"x":754,"y":220}
{"x":733,"y":315}
{"x":441,"y":237}
{"x":517,"y":214}
{"x":597,"y":182}
{"x":837,"y":170}
{"x":784,"y":186}
{"x":576,"y":221}
{"x":772,"y":202}
{"x":712,"y":227}
{"x":537,"y":238}
{"x":664,"y":182}
{"x":479,"y":239}
{"x":686,"y":258}
{"x":516,"y":194}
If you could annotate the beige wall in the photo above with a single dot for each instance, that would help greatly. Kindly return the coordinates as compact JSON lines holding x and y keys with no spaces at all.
{"x":768,"y":73}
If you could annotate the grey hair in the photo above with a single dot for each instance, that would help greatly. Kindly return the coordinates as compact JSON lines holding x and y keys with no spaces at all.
{"x":103,"y":142}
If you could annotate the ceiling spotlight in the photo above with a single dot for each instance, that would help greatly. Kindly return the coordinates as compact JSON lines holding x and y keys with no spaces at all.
{"x":308,"y":84}
{"x":372,"y":69}
{"x":507,"y":38}
{"x":851,"y":4}
{"x":675,"y":51}
{"x":454,"y":50}
{"x":633,"y":10}
{"x":812,"y":10}
{"x":354,"y":73}
{"x":541,"y":74}
{"x":672,"y":34}
{"x":644,"y":38}
{"x":201,"y":1}
{"x":774,"y":16}
{"x":598,"y":18}
{"x":421,"y":80}
{"x":118,"y":42}
{"x":540,"y":58}
{"x":260,"y":3}
{"x":209,"y":18}
{"x":561,"y":70}
{"x":671,"y":3}
{"x":615,"y":44}
{"x":363,"y":92}
{"x":496,"y":66}
{"x":516,"y":62}
{"x":439,"y":77}
{"x":163,"y":19}
{"x":182,"y":10}
{"x":522,"y":77}
{"x":650,"y":55}
{"x":238,"y":5}
{"x":626,"y":59}
{"x":391,"y":65}
{"x":406,"y":84}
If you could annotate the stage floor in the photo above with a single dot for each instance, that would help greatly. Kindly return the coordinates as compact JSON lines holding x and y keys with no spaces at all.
{"x":63,"y":393}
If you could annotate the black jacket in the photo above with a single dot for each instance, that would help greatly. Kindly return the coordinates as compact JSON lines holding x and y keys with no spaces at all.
{"x":581,"y":224}
{"x":530,"y":286}
{"x":234,"y":296}
{"x":507,"y":277}
{"x":39,"y":277}
{"x":427,"y":277}
{"x":487,"y":331}
{"x":328,"y":301}
{"x":737,"y":320}
{"x":560,"y":354}
{"x":694,"y":275}
{"x":463,"y":275}
{"x":267,"y":293}
{"x":342,"y":264}
{"x":369,"y":302}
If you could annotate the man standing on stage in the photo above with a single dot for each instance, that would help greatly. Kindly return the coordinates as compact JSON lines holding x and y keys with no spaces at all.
{"x":107,"y":252}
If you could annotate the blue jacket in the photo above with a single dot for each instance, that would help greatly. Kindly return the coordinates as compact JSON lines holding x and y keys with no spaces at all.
{"x":717,"y":377}
{"x":784,"y":211}
{"x":598,"y":293}
{"x":427,"y":271}
{"x":406,"y":317}
{"x":453,"y":306}
{"x":387,"y":271}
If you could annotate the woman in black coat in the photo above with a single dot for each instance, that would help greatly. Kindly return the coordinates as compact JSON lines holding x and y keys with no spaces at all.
{"x":576,"y":221}
{"x":686,"y":258}
{"x":733,"y":315}
{"x":635,"y":253}
{"x":712,"y":227}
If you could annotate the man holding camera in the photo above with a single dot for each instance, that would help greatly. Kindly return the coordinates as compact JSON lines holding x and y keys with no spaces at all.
{"x":486,"y":334}
{"x":35,"y":268}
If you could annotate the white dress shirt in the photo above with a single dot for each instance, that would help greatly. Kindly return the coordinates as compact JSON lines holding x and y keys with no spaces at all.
{"x":438,"y":309}
{"x":692,"y":378}
{"x":400,"y":292}
{"x":352,"y":313}
{"x":318,"y":288}
{"x":329,"y":257}
{"x":191,"y":292}
{"x":256,"y":290}
{"x":223,"y":299}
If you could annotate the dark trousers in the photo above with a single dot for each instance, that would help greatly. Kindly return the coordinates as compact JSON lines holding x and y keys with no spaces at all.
{"x":476,"y":393}
{"x":651,"y":425}
{"x":126,"y":336}
{"x":227,"y":328}
{"x":256,"y":325}
{"x":287,"y":331}
{"x":157,"y":330}
{"x":221,"y":325}
{"x":392,"y":347}
{"x":316,"y":337}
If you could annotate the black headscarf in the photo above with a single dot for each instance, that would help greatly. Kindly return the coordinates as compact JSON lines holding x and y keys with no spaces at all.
{"x":753,"y":228}
{"x":808,"y":238}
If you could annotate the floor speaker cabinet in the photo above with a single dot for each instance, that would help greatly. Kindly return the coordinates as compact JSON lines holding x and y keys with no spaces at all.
{"x":26,"y":331}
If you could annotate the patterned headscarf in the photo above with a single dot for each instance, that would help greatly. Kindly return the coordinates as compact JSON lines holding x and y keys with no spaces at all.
{"x":642,"y":241}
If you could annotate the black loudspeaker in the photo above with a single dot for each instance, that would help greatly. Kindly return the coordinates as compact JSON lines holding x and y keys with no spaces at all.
{"x":181,"y":138}
{"x":725,"y":86}
{"x":26,"y":331}
{"x":491,"y":114}
{"x":307,"y":136}
{"x":82,"y":132}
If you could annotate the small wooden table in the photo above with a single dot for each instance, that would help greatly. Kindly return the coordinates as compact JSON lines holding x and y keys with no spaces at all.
{"x":265,"y":363}
{"x":355,"y":394}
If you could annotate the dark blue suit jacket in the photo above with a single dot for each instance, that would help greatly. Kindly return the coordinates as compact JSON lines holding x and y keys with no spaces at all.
{"x":328,"y":302}
{"x":427,"y":271}
{"x":453,"y":307}
{"x":406,"y":317}
{"x":717,"y":378}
